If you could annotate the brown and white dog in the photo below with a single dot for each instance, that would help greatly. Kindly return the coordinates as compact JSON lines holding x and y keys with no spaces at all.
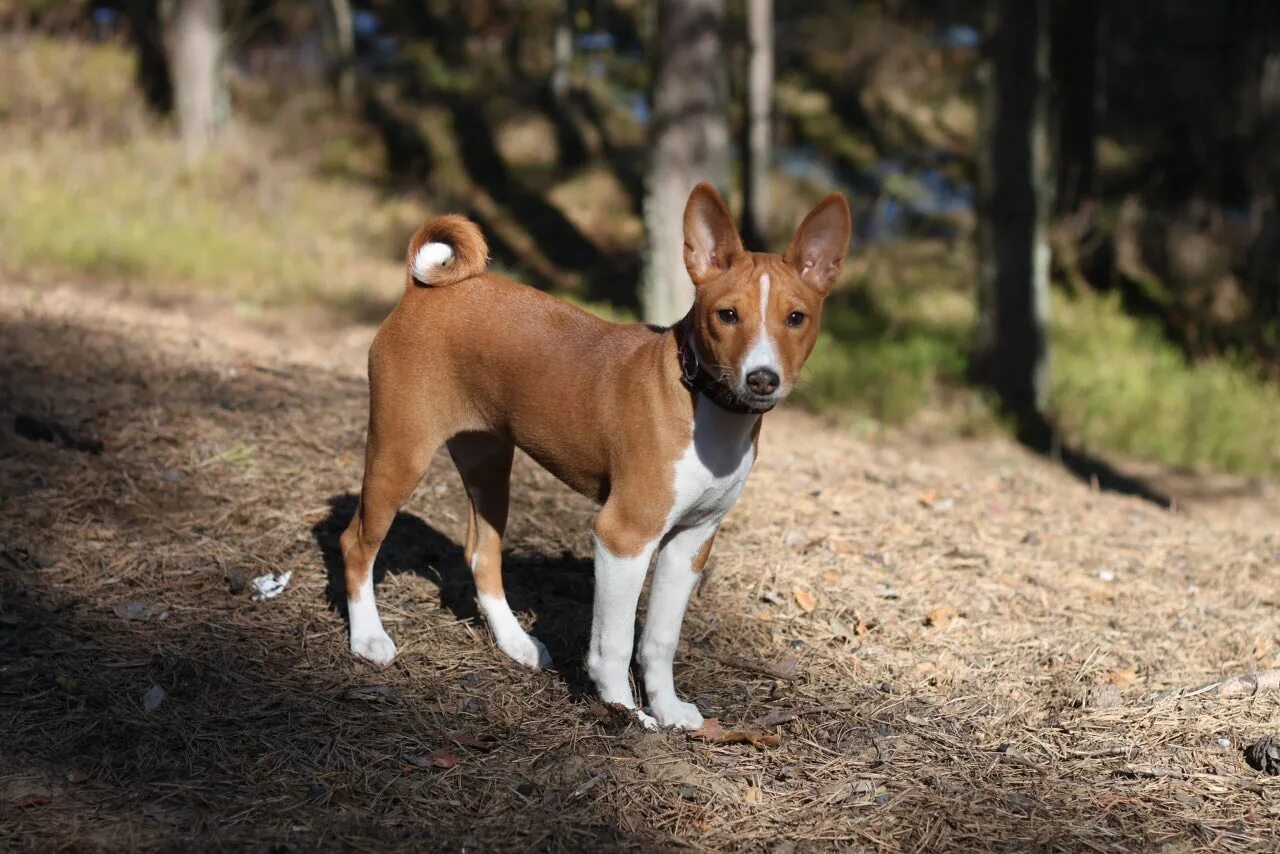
{"x":658,"y":426}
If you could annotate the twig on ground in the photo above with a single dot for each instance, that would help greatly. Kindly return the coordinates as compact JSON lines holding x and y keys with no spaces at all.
{"x":782,"y":716}
{"x":1160,"y":772}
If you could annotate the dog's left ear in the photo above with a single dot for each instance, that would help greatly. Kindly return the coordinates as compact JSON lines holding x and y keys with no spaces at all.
{"x":817,"y":251}
{"x":711,"y":239}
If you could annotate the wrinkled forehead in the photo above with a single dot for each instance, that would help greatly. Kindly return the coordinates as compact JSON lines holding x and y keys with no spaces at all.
{"x":757,"y":275}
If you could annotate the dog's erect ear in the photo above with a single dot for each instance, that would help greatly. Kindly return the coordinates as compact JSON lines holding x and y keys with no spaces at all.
{"x":711,"y":239}
{"x":818,"y":249}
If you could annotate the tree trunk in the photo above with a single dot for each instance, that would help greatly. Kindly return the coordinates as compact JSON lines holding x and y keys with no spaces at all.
{"x":1078,"y":58}
{"x":758,"y":145}
{"x":200,"y":86}
{"x":344,"y":53}
{"x":1014,"y":199}
{"x":689,"y":141}
{"x":152,"y":72}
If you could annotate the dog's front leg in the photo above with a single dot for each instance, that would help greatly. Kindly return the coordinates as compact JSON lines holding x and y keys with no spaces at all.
{"x":622,"y":557}
{"x":679,"y":564}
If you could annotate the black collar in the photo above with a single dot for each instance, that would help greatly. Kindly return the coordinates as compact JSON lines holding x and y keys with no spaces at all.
{"x":717,"y":391}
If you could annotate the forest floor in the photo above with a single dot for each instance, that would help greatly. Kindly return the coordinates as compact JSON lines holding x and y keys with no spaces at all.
{"x":929,"y":642}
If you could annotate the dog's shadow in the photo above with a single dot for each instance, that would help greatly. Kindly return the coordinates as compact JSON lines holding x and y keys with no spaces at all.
{"x":557,"y":588}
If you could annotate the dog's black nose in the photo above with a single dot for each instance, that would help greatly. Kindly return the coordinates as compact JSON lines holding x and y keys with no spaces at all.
{"x":763,"y":381}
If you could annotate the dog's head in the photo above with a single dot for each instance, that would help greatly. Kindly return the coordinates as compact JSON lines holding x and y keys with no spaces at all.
{"x":755,"y":315}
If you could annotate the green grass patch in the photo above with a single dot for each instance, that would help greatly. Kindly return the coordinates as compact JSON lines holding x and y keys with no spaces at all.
{"x":895,"y":344}
{"x":1119,"y":387}
{"x":134,"y":210}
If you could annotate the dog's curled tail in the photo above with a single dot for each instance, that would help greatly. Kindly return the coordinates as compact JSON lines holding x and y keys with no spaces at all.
{"x":446,"y":250}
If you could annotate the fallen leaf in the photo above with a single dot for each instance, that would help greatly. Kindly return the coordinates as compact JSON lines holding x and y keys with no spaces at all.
{"x":77,"y":775}
{"x":753,"y":795}
{"x":804,"y":598}
{"x":442,"y":759}
{"x":152,"y":699}
{"x":928,"y":497}
{"x":1121,"y":678}
{"x":772,"y":598}
{"x":838,"y":629}
{"x":941,"y":616}
{"x":787,"y":668}
{"x":462,"y":738}
{"x":435,"y":759}
{"x":713,"y":732}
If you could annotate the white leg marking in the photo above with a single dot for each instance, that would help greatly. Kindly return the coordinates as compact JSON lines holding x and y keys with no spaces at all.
{"x":673,"y":582}
{"x":762,"y":353}
{"x":511,"y":638}
{"x":613,"y":622}
{"x":369,"y":640}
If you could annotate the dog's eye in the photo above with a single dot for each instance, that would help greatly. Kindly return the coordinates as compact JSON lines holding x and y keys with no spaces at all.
{"x":727,"y":315}
{"x":795,"y":318}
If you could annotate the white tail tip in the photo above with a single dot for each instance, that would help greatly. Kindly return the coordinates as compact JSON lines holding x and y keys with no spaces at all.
{"x":430,"y":259}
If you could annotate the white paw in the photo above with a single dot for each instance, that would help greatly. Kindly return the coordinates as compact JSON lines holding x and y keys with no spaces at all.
{"x":645,"y":721}
{"x":374,"y":647}
{"x":527,"y":650}
{"x":674,"y":713}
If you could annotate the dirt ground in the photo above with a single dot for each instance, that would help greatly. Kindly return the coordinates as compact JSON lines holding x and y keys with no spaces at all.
{"x":956,"y":644}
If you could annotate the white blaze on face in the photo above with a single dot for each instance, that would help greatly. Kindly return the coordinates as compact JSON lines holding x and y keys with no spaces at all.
{"x":762,"y":353}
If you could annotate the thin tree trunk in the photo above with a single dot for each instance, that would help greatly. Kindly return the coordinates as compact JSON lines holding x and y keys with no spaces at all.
{"x":200,"y":86}
{"x":1078,"y":59}
{"x":344,"y":52}
{"x":758,"y":147}
{"x":1015,"y":194}
{"x":152,"y":71}
{"x":689,"y":140}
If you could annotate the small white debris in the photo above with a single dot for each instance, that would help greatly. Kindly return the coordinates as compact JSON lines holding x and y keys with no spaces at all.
{"x":1107,"y":576}
{"x":270,"y":586}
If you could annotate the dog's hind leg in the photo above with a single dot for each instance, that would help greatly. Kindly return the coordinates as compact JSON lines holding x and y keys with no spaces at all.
{"x":395,"y":460}
{"x":484,"y":461}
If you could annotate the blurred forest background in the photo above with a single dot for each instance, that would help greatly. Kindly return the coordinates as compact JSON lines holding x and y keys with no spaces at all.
{"x":1066,"y":212}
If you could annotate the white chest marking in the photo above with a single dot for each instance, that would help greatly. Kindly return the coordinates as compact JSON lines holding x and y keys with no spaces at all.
{"x":713,"y":470}
{"x":763,"y":353}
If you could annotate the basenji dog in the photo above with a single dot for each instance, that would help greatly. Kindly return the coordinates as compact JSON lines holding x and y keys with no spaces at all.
{"x":659,"y":426}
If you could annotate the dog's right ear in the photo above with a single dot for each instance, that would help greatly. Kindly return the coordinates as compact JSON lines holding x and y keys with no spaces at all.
{"x":711,"y":239}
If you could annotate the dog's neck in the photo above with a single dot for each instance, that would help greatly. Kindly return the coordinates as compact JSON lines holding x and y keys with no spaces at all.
{"x":697,"y":378}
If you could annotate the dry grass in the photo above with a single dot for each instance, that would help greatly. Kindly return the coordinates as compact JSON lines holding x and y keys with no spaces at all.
{"x":961,"y":613}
